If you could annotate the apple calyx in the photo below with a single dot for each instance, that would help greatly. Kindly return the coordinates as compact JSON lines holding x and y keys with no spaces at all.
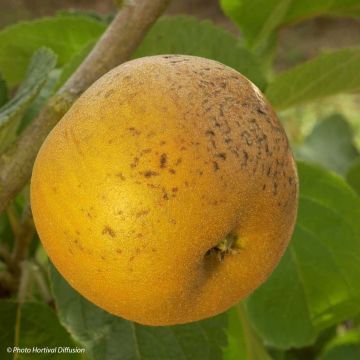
{"x":229,"y":245}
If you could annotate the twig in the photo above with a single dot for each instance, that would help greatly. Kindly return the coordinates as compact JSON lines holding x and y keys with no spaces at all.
{"x":13,"y":219}
{"x":41,"y":283}
{"x":5,"y":254}
{"x":8,"y":285}
{"x":23,"y":240}
{"x":25,"y":230}
{"x":24,"y":281}
{"x":115,"y":46}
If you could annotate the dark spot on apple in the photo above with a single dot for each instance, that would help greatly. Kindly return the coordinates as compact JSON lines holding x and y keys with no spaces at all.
{"x":107,"y":230}
{"x":145,"y":151}
{"x":108,"y":93}
{"x":221,"y":156}
{"x":134,"y":131}
{"x":149,"y":173}
{"x":163,"y":160}
{"x":142,"y":213}
{"x":135,"y":162}
{"x":121,"y":176}
{"x":275,"y":188}
{"x":165,"y":194}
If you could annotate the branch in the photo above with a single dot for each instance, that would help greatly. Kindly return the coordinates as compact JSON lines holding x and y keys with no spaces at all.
{"x":116,"y":45}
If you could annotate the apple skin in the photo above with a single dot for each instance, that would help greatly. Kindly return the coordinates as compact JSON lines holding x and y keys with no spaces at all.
{"x":168,"y":192}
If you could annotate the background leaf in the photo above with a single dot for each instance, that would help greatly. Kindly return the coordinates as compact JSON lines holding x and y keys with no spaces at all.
{"x":37,"y":326}
{"x":300,"y":10}
{"x":243,"y":343}
{"x":3,"y":91}
{"x":316,"y":282}
{"x":185,"y":35}
{"x":353,"y":175}
{"x":328,"y":74}
{"x":258,"y":19}
{"x":346,"y":346}
{"x":110,"y":337}
{"x":42,"y":62}
{"x":65,"y":35}
{"x":39,"y":101}
{"x":331,"y":144}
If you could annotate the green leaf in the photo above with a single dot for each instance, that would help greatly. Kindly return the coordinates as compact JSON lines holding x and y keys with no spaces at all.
{"x":256,"y":18}
{"x":42,"y":62}
{"x":32,"y":325}
{"x":316,"y":284}
{"x":110,"y":337}
{"x":353,"y":175}
{"x":65,"y":35}
{"x":328,"y":74}
{"x":105,"y":18}
{"x":303,"y":9}
{"x":344,"y":347}
{"x":185,"y":35}
{"x":3,"y":91}
{"x":331,"y":144}
{"x":243,"y":343}
{"x":46,"y":91}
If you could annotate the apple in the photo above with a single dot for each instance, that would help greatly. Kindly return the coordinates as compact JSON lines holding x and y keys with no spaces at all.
{"x":168,"y":192}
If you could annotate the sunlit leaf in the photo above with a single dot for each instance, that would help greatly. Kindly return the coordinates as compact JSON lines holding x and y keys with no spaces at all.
{"x":316,"y":283}
{"x":109,"y":337}
{"x":328,"y":74}
{"x":42,"y":62}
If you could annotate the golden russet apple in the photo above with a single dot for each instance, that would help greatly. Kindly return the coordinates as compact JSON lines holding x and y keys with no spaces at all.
{"x":168,"y":192}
